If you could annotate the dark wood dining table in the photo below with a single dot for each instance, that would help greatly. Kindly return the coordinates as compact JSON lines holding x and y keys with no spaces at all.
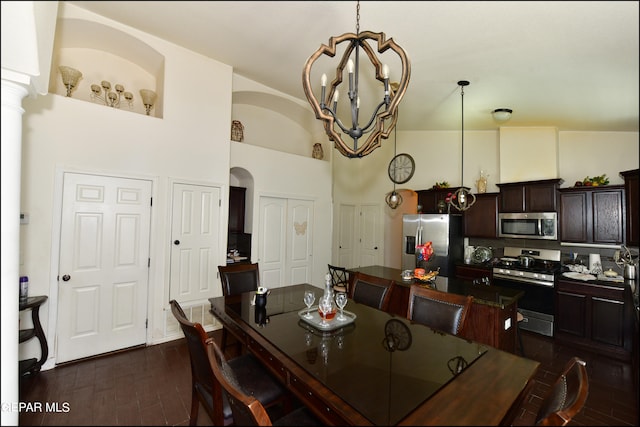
{"x":380,"y":369}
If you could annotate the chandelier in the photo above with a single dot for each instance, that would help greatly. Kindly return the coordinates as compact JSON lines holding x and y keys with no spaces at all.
{"x":103,"y":93}
{"x":462,"y":199}
{"x":384,"y":116}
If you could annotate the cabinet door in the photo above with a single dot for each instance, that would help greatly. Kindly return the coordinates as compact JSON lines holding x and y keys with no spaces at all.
{"x":236,"y":209}
{"x":607,"y":320}
{"x":482,"y":219}
{"x":512,"y":199}
{"x":607,"y":216}
{"x":540,"y":198}
{"x":632,"y":194}
{"x":575,"y":222}
{"x":571,"y":314}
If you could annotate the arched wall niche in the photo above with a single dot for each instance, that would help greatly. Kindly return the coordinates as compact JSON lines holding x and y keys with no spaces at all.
{"x":240,"y":177}
{"x":277,"y":123}
{"x":101,"y":53}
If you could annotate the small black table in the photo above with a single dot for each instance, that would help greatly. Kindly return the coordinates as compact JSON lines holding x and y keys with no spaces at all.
{"x":33,"y":365}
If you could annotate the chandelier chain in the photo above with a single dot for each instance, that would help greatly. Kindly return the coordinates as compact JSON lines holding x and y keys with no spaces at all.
{"x":358,"y":17}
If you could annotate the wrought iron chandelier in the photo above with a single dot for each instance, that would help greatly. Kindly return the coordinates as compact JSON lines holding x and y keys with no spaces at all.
{"x":384,"y":116}
{"x":463,"y":199}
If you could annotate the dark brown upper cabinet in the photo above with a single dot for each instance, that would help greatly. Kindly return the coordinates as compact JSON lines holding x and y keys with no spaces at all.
{"x":236,"y":209}
{"x":592,"y":214}
{"x":529,"y":196}
{"x":632,"y":193}
{"x":481,"y":219}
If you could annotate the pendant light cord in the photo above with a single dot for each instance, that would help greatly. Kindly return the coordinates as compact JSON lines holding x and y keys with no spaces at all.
{"x":462,"y":84}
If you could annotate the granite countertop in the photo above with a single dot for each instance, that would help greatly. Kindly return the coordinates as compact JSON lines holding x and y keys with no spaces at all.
{"x":483,"y":294}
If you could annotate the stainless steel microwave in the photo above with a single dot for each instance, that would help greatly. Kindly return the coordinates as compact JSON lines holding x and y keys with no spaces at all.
{"x":535,"y":225}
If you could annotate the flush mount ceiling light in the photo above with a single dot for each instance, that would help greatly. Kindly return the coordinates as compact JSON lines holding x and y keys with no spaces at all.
{"x":502,"y":114}
{"x":463,"y":199}
{"x":384,"y":117}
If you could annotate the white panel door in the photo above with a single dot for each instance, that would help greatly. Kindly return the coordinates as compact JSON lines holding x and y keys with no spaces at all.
{"x":300,"y":241}
{"x":272,"y":241}
{"x":347,"y":236}
{"x":104,"y":258}
{"x":371,"y":236}
{"x":195,"y":237}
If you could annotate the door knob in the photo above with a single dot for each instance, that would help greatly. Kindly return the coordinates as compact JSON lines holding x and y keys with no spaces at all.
{"x":66,"y":277}
{"x":176,"y":242}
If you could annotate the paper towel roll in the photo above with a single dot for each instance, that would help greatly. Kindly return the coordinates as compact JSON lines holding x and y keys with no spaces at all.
{"x":594,"y":261}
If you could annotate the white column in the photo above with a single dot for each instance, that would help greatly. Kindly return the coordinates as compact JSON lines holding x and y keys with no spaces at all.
{"x":12,"y":111}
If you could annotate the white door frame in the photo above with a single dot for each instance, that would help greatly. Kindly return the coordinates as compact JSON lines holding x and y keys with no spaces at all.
{"x":58,"y":188}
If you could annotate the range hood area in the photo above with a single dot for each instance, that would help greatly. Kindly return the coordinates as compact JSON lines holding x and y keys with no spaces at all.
{"x":528,"y":154}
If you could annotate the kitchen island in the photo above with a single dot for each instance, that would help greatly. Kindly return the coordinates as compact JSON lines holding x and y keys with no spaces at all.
{"x":491,"y":320}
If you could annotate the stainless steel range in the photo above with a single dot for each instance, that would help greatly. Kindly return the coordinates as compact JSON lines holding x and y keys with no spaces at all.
{"x":534,"y":272}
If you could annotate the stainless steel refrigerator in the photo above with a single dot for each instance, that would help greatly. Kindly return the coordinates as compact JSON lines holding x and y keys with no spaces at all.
{"x":445,"y":233}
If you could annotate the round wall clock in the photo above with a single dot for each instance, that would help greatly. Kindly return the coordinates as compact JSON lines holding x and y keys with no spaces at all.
{"x":401,"y":168}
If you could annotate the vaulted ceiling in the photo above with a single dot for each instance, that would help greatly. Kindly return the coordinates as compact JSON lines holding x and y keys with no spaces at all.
{"x":569,"y":64}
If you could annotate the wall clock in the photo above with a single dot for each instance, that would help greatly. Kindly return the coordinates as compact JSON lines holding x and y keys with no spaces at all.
{"x":401,"y":168}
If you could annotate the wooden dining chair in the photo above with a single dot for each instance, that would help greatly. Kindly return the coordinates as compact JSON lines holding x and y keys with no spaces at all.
{"x":246,"y":409}
{"x":206,"y":390}
{"x":567,"y":396}
{"x":372,"y":291}
{"x":444,"y":311}
{"x":236,"y":279}
{"x":339,"y":278}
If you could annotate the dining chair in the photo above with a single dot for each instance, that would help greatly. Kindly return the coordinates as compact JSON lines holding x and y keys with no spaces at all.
{"x":339,"y":278}
{"x":567,"y":396}
{"x":565,"y":399}
{"x":444,"y":311}
{"x":372,"y":291}
{"x":246,"y":409}
{"x":236,"y":279}
{"x":206,"y":390}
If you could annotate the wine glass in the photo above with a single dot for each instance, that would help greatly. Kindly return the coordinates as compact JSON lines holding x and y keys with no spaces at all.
{"x":309,"y":299}
{"x":325,"y":307}
{"x":341,"y":301}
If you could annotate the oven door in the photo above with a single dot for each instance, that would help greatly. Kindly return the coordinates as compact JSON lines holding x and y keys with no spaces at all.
{"x":536,"y":305}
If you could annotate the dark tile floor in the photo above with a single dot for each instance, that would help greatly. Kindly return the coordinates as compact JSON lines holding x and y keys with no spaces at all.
{"x":151,"y":386}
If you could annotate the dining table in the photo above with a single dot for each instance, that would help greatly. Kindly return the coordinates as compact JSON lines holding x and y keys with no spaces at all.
{"x":374,"y":367}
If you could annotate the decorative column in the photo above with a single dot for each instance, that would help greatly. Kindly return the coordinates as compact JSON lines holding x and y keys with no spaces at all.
{"x":12,"y":111}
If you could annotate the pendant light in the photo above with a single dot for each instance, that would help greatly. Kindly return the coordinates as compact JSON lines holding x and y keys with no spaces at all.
{"x":462,"y":199}
{"x":394,"y":199}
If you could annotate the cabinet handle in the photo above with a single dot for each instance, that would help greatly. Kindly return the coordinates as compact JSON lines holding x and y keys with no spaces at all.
{"x":66,"y":277}
{"x":176,"y":242}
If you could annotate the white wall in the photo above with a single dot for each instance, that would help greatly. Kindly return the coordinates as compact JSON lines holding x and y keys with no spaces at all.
{"x":190,"y":142}
{"x":438,"y":158}
{"x":291,"y":176}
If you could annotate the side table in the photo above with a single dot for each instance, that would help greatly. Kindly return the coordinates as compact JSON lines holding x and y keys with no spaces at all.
{"x":33,"y":365}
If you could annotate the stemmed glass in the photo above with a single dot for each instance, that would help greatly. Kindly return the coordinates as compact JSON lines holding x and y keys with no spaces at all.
{"x":325,"y":307}
{"x":341,"y":301}
{"x":309,"y":299}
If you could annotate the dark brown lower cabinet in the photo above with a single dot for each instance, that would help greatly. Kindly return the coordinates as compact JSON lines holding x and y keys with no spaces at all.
{"x":593,"y":316}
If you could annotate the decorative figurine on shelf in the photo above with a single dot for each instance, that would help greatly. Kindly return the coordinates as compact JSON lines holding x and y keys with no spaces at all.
{"x":237,"y":131}
{"x":482,"y":182}
{"x":317,"y":153}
